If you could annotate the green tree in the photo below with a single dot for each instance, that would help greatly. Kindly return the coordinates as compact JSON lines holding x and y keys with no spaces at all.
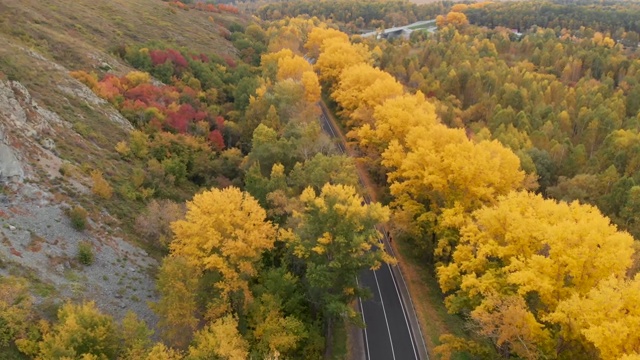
{"x":336,"y":239}
{"x":16,"y":312}
{"x":177,"y":284}
{"x":81,"y":331}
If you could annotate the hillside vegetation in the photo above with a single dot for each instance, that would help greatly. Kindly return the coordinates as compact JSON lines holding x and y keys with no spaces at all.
{"x":168,"y":193}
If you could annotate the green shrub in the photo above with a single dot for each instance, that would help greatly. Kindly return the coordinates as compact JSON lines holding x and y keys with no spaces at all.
{"x":85,"y":253}
{"x":78,"y":216}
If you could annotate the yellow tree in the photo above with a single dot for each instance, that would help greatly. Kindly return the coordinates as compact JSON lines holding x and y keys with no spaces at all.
{"x":224,"y":231}
{"x":336,"y":55}
{"x":100,"y":186}
{"x":161,"y":352}
{"x":273,"y":332}
{"x":269,"y":62}
{"x":292,"y":68}
{"x":361,"y":87}
{"x":317,"y":36}
{"x":136,"y":337}
{"x":438,"y":172}
{"x":607,"y":316}
{"x":177,"y":284}
{"x":81,"y":331}
{"x":312,"y":89}
{"x":219,"y":340}
{"x":394,"y":119}
{"x":457,"y":19}
{"x":539,"y":250}
{"x":15,"y":309}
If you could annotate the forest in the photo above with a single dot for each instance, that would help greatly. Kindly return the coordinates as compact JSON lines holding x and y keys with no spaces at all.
{"x":504,"y":148}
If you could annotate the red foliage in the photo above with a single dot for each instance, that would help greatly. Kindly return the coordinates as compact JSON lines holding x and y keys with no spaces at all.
{"x":228,"y":8}
{"x":147,"y":93}
{"x":189,"y":92}
{"x":229,"y":60}
{"x":205,"y":7}
{"x":154,"y":125}
{"x":179,"y":5}
{"x":177,"y":58}
{"x":179,"y":120}
{"x":109,"y":87}
{"x":159,"y":57}
{"x":215,"y":137}
{"x":219,"y":123}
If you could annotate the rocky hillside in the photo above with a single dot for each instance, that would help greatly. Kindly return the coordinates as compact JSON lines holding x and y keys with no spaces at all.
{"x":54,"y":132}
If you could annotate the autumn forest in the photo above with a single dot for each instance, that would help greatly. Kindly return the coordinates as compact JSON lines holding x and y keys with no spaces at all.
{"x":502,"y":147}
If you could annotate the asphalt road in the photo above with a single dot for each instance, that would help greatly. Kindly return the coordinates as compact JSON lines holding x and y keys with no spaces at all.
{"x":392,"y":331}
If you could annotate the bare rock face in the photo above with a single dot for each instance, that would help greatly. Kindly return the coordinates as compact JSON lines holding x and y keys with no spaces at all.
{"x":35,"y":231}
{"x":25,"y":128}
{"x":10,"y":167}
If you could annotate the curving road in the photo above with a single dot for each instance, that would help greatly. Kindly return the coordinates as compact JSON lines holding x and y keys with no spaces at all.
{"x":392,"y":331}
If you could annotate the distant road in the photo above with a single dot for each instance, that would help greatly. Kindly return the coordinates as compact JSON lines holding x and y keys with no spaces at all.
{"x":403,"y":31}
{"x":392,"y":331}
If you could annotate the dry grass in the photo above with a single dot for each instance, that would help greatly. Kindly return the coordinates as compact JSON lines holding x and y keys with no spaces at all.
{"x":427,"y":299}
{"x":74,"y":32}
{"x":42,"y":40}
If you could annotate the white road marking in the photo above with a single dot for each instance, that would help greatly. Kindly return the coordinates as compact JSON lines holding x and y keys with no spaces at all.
{"x":410,"y":301}
{"x":366,"y":338}
{"x":384,"y":311}
{"x":404,"y":311}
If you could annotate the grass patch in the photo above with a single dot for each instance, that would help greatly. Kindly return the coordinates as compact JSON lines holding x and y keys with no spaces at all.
{"x":85,"y":253}
{"x":41,"y":289}
{"x":78,"y":217}
{"x":428,"y":299}
{"x":339,"y":345}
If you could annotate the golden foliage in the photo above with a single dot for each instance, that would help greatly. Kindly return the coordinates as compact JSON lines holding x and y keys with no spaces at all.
{"x":292,"y":68}
{"x":123,"y":149}
{"x":177,"y":283}
{"x":220,"y":339}
{"x":312,"y":89}
{"x":100,"y":186}
{"x":607,"y":316}
{"x":457,"y":19}
{"x":361,"y":87}
{"x":224,"y":231}
{"x":317,"y":36}
{"x":337,"y":55}
{"x":135,"y":78}
{"x":161,"y":352}
{"x":524,"y":248}
{"x":81,"y":331}
{"x":15,"y":309}
{"x":91,"y":80}
{"x":394,"y":119}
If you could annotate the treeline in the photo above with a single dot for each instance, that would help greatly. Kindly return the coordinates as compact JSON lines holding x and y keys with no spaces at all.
{"x":353,"y":16}
{"x":618,"y":18}
{"x":567,"y":106}
{"x":523,"y":269}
